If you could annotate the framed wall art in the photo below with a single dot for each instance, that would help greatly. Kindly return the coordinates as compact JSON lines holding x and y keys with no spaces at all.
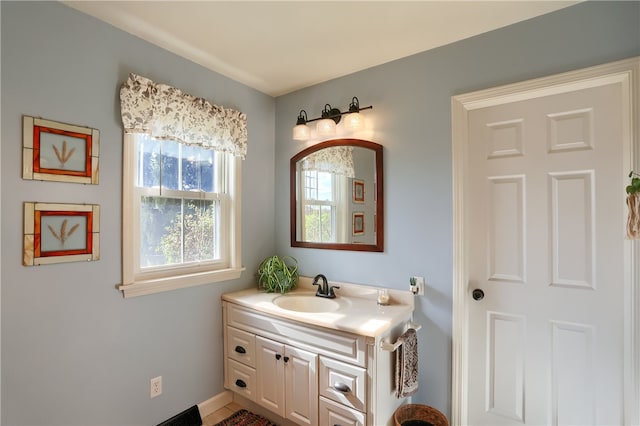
{"x":358,"y":191}
{"x":358,"y":223}
{"x":59,"y":152}
{"x":57,"y":233}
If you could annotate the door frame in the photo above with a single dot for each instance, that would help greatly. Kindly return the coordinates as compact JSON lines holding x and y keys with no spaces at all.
{"x":626,"y":73}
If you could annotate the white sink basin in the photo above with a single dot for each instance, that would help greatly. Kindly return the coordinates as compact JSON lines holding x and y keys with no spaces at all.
{"x":306,"y":303}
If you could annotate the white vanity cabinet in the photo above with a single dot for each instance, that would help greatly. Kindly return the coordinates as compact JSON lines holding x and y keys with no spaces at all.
{"x":310,"y":374}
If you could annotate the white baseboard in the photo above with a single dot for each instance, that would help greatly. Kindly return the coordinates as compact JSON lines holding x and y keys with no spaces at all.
{"x":215,"y":403}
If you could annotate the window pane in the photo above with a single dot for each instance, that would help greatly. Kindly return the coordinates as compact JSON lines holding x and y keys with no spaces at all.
{"x":317,"y":223}
{"x":148,"y":174}
{"x":318,"y":185}
{"x":158,"y":216}
{"x":170,"y":164}
{"x":310,"y":185}
{"x":325,"y":186}
{"x":197,"y":169}
{"x":199,"y":231}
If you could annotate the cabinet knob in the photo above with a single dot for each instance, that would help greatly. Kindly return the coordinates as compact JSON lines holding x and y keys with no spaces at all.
{"x":341,"y":387}
{"x":241,"y":384}
{"x":278,"y":356}
{"x":286,"y":359}
{"x":240,"y":350}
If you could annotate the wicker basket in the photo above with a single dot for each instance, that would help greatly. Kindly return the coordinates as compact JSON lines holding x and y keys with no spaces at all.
{"x":419,"y":415}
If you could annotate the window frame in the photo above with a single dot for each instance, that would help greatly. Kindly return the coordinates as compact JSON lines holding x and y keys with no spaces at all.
{"x":136,"y":282}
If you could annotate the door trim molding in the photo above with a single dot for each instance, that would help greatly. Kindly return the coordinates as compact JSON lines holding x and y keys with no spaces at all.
{"x":626,"y":73}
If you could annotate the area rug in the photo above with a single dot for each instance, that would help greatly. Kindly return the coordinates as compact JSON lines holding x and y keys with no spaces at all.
{"x":245,"y":418}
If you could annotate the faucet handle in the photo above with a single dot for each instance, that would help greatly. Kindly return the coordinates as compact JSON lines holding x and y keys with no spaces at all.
{"x":331,"y":292}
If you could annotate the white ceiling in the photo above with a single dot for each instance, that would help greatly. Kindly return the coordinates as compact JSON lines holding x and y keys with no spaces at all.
{"x":280,"y":46}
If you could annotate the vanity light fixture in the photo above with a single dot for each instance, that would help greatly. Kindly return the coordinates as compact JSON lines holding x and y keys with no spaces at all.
{"x":354,"y":121}
{"x":302,"y":132}
{"x":328,"y":120}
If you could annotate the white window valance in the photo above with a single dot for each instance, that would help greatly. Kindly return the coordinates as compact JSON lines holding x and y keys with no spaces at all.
{"x":336,"y":159}
{"x":165,"y":112}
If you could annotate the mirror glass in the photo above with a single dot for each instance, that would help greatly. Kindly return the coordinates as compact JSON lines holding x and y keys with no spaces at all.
{"x":337,"y":196}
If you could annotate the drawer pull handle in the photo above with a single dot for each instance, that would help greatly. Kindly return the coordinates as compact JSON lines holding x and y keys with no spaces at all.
{"x":241,"y":384}
{"x":341,"y":387}
{"x":278,"y":356}
{"x":240,"y":350}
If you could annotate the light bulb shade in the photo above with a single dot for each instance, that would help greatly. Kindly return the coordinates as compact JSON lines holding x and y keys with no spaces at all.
{"x":326,"y":127}
{"x":301,"y":132}
{"x":354,"y":122}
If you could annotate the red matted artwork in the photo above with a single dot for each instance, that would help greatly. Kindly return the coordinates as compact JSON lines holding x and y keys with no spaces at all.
{"x":358,"y":191}
{"x":57,"y":233}
{"x":59,"y":152}
{"x":358,"y":223}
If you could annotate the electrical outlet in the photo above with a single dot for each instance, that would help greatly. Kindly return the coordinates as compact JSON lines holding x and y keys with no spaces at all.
{"x":156,"y":386}
{"x":418,"y":288}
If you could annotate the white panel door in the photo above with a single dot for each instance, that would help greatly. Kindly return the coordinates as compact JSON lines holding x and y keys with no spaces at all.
{"x":270,"y":375}
{"x":544,"y":213}
{"x":301,"y":386}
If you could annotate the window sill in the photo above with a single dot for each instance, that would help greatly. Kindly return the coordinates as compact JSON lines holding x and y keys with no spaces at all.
{"x":158,"y":285}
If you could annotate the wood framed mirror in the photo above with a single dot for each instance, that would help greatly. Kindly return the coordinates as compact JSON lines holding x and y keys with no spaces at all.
{"x":337,"y":197}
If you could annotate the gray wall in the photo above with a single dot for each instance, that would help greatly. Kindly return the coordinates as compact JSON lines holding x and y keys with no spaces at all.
{"x":411,"y":101}
{"x":73,"y":350}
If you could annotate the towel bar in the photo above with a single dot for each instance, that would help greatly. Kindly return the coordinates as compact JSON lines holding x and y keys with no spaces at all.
{"x":391,"y":347}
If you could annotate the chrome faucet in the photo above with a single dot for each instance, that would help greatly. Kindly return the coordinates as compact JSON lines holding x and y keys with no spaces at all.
{"x":324,"y":290}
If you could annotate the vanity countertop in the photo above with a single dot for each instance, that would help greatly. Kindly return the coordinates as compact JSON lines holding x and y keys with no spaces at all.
{"x":358,"y":312}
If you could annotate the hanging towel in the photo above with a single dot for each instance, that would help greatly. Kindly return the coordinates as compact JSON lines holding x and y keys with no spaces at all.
{"x":407,"y":364}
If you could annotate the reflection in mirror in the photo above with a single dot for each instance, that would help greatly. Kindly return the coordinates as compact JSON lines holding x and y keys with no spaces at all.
{"x":337,"y":196}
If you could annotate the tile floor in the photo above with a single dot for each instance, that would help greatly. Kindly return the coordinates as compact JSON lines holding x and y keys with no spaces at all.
{"x":221,"y":414}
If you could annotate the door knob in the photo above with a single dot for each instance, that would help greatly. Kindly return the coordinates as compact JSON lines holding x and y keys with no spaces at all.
{"x":477,"y":294}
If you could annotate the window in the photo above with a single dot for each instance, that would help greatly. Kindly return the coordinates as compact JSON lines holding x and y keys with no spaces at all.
{"x":180,"y":215}
{"x":323,"y":208}
{"x":181,"y":175}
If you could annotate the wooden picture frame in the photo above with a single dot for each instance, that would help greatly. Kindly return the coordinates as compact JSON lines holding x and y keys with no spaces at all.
{"x":358,"y":191}
{"x":57,"y":233}
{"x":61,"y":152}
{"x":358,"y":223}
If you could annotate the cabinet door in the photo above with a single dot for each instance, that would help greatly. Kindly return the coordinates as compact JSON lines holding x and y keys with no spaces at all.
{"x":270,"y":375}
{"x":301,"y":385}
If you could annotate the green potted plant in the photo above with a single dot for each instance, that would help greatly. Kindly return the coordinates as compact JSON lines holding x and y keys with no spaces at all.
{"x":278,"y":274}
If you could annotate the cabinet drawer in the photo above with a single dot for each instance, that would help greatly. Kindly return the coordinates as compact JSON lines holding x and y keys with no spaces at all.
{"x":241,"y":346}
{"x":343,"y":383}
{"x":333,"y":414}
{"x":242,"y":379}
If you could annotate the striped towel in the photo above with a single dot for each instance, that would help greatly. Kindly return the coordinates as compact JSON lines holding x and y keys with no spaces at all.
{"x":407,"y":364}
